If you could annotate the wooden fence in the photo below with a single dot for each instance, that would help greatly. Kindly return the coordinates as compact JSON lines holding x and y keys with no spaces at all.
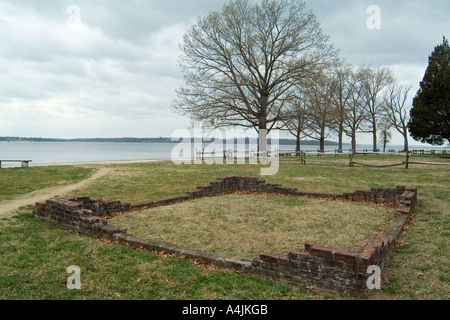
{"x":235,"y":154}
{"x":315,"y":156}
{"x":306,"y":157}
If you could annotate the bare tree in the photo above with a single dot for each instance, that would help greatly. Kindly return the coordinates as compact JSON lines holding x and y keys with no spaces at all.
{"x":385,"y":132}
{"x":356,"y":110}
{"x":341,"y":96}
{"x":241,"y":65}
{"x":398,"y":110}
{"x":320,"y":106}
{"x":374,"y":81}
{"x":297,"y":122}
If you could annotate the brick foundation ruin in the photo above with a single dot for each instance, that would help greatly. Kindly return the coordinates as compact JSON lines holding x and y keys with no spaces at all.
{"x":316,"y":265}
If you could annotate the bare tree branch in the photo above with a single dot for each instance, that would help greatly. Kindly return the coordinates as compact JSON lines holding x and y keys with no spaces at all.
{"x":398,"y":111}
{"x":242,"y":65}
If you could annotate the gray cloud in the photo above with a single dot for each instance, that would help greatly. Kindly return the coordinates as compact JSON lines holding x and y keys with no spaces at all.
{"x":409,"y":29}
{"x":113,"y":72}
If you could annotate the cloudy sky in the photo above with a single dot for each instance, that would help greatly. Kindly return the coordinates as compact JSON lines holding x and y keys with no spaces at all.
{"x":109,"y":68}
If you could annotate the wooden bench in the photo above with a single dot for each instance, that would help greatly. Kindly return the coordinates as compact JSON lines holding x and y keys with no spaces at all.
{"x":25,"y":163}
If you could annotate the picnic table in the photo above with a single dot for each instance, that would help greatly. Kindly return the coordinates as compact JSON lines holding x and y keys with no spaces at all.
{"x":25,"y":163}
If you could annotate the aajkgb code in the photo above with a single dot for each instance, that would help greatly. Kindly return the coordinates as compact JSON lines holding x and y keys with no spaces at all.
{"x":243,"y":310}
{"x":237,"y":310}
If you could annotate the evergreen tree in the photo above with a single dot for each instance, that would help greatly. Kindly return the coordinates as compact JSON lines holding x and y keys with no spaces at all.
{"x":430,"y":115}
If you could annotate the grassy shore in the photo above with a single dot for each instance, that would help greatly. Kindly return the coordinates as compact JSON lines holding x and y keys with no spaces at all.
{"x":17,"y":181}
{"x":34,"y":255}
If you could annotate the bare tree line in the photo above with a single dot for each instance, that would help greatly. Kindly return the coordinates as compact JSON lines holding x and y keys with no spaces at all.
{"x":267,"y":65}
{"x":343,"y":100}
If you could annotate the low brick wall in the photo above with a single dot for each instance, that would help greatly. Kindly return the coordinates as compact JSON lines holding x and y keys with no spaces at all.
{"x":82,"y":214}
{"x":250,"y":184}
{"x":317,"y":265}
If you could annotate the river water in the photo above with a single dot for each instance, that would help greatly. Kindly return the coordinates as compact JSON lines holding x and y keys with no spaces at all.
{"x":75,"y":152}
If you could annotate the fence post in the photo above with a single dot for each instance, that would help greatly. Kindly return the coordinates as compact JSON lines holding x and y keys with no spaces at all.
{"x":351,"y":158}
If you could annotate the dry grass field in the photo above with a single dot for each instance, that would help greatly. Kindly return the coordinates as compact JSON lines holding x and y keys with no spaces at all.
{"x":247,"y":225}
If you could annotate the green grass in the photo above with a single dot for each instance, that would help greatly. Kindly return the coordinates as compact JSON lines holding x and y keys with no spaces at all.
{"x":19,"y":181}
{"x":150,"y":181}
{"x":34,"y":255}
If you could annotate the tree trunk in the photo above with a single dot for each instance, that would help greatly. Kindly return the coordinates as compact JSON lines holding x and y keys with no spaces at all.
{"x":375,"y":142}
{"x":406,"y":145}
{"x":298,"y":146}
{"x":262,"y":119}
{"x":353,"y":141}
{"x":262,"y":141}
{"x":322,"y":140}
{"x":405,"y":136}
{"x":341,"y":141}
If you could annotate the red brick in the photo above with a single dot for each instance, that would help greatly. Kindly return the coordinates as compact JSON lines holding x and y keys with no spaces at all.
{"x":321,"y":251}
{"x":346,"y":256}
{"x":271,"y":257}
{"x":295,"y":254}
{"x":332,"y":263}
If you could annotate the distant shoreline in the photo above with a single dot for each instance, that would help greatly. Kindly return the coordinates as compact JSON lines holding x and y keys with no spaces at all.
{"x":119,"y":140}
{"x":164,"y":140}
{"x":104,"y":162}
{"x":151,"y":140}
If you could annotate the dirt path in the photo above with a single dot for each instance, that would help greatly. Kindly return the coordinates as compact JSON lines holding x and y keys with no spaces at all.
{"x":8,"y":207}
